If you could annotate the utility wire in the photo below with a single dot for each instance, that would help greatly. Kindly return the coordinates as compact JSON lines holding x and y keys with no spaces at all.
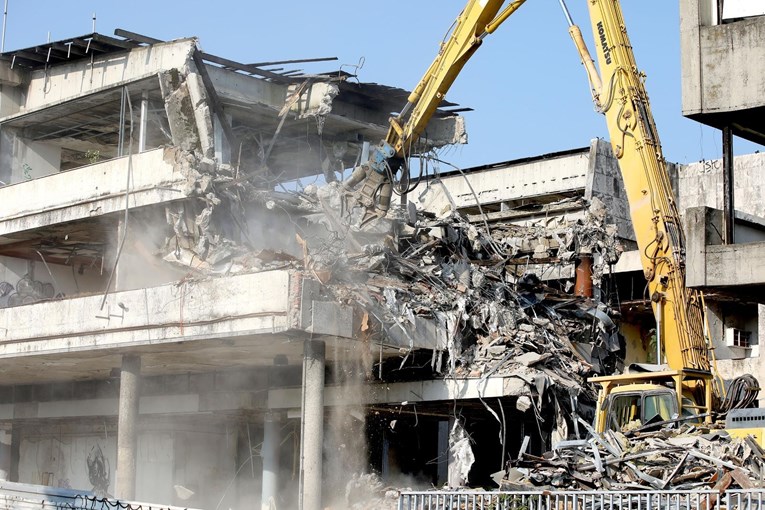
{"x":126,"y":97}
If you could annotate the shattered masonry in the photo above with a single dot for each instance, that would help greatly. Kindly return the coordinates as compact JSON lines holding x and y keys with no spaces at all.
{"x":492,"y":317}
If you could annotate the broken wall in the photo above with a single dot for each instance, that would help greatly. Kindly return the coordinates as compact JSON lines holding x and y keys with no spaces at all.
{"x":81,"y":457}
{"x":605,"y":181}
{"x":701,"y":184}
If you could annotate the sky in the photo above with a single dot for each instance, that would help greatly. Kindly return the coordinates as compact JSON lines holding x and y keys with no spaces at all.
{"x":526,"y":85}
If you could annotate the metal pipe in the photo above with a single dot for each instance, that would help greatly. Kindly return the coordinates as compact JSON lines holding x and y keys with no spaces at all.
{"x":659,"y":305}
{"x":121,"y":135}
{"x":5,"y":19}
{"x":567,"y":13}
{"x":583,"y":286}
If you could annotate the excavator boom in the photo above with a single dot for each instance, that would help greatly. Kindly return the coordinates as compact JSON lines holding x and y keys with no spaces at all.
{"x":623,"y":100}
{"x":478,"y":19}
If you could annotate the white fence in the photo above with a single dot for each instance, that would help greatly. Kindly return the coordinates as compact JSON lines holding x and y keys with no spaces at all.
{"x":584,"y":500}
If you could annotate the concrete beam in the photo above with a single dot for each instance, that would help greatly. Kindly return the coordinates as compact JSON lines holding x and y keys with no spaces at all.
{"x":159,"y":405}
{"x":213,"y":308}
{"x":418,"y":391}
{"x":61,"y":83}
{"x":100,"y":190}
{"x":712,"y":264}
{"x":735,"y":265}
{"x":10,"y":77}
{"x":511,"y":181}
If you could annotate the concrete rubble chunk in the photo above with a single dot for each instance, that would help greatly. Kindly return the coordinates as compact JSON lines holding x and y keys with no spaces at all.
{"x":674,"y":459}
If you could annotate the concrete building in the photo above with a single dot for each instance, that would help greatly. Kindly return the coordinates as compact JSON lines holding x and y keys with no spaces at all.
{"x":722,"y":83}
{"x":167,"y":329}
{"x":721,"y":59}
{"x":139,"y":338}
{"x":166,"y":335}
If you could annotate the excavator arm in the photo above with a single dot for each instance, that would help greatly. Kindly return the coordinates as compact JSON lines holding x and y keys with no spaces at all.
{"x":619,"y":93}
{"x":478,"y":19}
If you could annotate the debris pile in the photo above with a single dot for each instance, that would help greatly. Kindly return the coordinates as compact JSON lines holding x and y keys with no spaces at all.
{"x":472,"y":293}
{"x":691,"y":457}
{"x":495,"y":318}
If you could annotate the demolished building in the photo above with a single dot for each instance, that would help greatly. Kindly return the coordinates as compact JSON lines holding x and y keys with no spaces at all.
{"x":157,"y":226}
{"x":128,"y":257}
{"x":151,"y":219}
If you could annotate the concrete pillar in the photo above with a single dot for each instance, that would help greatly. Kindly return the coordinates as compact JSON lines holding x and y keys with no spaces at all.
{"x":5,"y":454}
{"x":312,"y":425}
{"x":443,"y":453}
{"x":729,"y":205}
{"x":144,"y":121}
{"x":127,"y":436}
{"x":270,"y":453}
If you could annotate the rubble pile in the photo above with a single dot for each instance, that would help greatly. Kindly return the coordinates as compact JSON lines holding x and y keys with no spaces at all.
{"x":495,"y":319}
{"x":476,"y":288}
{"x":691,"y":457}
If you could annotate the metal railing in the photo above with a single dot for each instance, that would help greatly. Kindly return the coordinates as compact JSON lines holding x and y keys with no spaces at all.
{"x":744,"y":499}
{"x":584,"y":500}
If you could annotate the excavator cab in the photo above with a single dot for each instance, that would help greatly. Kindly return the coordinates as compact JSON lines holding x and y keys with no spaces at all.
{"x":635,"y":400}
{"x":630,"y":408}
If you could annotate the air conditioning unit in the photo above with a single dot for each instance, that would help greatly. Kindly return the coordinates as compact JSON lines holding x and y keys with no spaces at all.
{"x":735,"y":337}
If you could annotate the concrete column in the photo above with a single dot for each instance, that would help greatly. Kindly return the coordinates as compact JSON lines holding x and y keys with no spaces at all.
{"x":312,"y":425}
{"x":270,"y":453}
{"x":127,"y":437}
{"x":5,"y":454}
{"x":144,"y":121}
{"x":443,"y":453}
{"x":729,"y":205}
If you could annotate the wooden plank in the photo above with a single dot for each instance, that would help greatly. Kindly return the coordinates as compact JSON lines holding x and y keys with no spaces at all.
{"x":136,"y":37}
{"x":243,"y":67}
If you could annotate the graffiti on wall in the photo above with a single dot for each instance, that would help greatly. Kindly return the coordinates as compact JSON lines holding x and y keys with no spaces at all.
{"x":25,"y":292}
{"x":98,"y":471}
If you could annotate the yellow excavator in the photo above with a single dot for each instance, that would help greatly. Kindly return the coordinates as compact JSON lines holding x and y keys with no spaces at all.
{"x":685,"y":387}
